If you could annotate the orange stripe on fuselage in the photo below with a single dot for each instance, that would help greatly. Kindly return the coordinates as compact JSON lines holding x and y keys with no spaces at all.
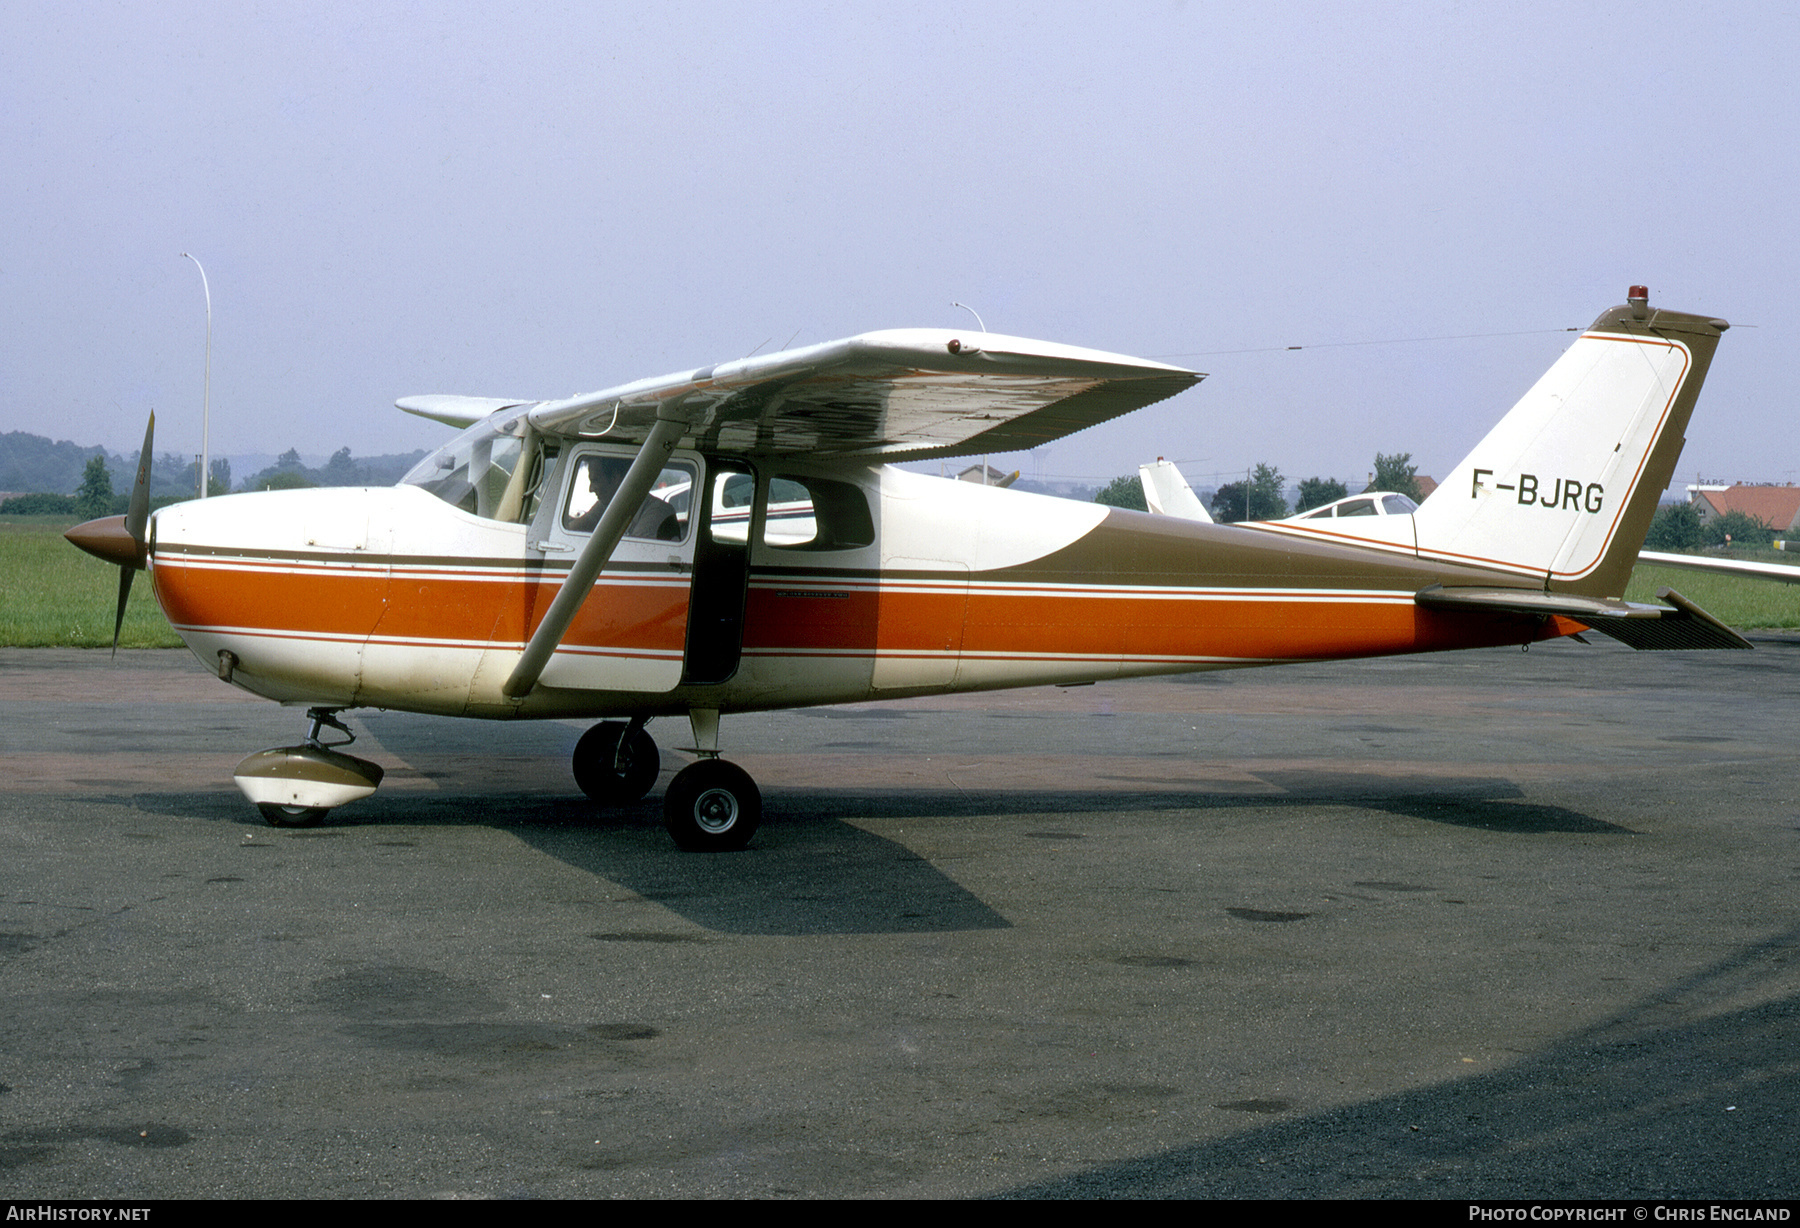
{"x":323,"y":602}
{"x":437,"y":606}
{"x":1117,"y":624}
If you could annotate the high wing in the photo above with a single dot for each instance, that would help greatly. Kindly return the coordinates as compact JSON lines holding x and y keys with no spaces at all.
{"x":1726,"y":567}
{"x":900,"y":394}
{"x":459,"y":412}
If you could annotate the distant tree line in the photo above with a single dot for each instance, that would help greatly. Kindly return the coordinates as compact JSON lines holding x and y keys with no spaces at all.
{"x":289,"y":473}
{"x":32,"y":462}
{"x":1677,"y":527}
{"x":64,"y":479}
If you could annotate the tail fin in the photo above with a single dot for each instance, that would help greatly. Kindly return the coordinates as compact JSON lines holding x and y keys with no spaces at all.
{"x":1167,"y":493}
{"x":1563,"y":489}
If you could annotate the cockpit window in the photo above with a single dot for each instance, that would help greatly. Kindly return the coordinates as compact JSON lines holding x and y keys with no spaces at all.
{"x":1398,"y":505}
{"x":492,"y":470}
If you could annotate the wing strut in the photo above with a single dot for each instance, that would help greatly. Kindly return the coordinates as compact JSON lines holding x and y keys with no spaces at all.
{"x":670,"y":424}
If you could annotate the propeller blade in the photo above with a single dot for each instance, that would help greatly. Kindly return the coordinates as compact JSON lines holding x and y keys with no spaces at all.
{"x":137,"y":512}
{"x":125,"y":577}
{"x":137,"y":524}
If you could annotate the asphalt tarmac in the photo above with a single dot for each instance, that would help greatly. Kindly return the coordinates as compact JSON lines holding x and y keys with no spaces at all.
{"x":1488,"y":925}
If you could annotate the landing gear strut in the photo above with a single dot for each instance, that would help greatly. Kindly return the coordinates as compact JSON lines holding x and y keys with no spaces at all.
{"x":712,"y":806}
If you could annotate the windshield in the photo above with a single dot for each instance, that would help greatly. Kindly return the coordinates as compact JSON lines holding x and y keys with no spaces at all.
{"x":480,"y":472}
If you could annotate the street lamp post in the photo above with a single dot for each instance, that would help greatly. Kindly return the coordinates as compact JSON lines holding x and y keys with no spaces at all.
{"x":206,"y":393}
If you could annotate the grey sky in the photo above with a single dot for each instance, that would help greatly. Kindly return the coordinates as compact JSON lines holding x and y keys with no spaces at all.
{"x":533,"y":201}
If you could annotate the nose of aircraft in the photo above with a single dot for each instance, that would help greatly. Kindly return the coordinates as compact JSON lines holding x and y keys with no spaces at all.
{"x":108,"y":538}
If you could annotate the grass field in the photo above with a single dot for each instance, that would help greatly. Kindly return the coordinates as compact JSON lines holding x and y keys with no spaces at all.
{"x":52,"y":595}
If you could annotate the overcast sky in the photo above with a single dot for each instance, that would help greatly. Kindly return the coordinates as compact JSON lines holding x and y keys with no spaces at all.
{"x":535,"y":201}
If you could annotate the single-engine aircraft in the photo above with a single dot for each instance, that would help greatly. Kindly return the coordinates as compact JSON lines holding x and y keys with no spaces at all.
{"x":1782,"y":572}
{"x":734,"y":538}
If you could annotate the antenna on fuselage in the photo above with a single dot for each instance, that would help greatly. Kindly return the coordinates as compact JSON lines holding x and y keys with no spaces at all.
{"x":972,"y":312}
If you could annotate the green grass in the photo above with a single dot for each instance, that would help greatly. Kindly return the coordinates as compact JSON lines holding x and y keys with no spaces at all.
{"x":54,"y":596}
{"x":1736,"y":601}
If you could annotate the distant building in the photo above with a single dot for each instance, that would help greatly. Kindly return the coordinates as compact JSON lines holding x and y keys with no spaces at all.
{"x":1776,"y":506}
{"x":987,"y":475}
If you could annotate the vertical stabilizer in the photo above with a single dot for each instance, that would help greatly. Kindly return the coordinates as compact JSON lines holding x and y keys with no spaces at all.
{"x":1167,"y":493}
{"x":1563,"y":489}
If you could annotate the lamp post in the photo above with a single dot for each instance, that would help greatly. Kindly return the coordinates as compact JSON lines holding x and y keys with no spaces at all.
{"x":206,"y":393}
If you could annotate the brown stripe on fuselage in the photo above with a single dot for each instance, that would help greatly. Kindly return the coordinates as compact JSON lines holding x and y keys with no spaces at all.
{"x":1137,"y":548}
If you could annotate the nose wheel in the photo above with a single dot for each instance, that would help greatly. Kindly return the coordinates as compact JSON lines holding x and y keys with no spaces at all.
{"x":292,"y":816}
{"x":712,"y":807}
{"x":297,"y":786}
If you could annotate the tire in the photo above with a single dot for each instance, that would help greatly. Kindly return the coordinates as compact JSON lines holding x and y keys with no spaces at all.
{"x":292,"y":816}
{"x":712,"y":807}
{"x":600,"y":780}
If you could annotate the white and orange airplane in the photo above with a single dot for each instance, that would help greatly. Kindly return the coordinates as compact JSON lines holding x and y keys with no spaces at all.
{"x":734,"y":539}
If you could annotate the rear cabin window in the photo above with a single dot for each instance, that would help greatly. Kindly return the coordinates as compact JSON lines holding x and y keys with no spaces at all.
{"x":806,"y":513}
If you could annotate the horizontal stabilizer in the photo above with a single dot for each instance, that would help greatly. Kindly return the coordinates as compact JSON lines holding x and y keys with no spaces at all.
{"x":1679,"y":625}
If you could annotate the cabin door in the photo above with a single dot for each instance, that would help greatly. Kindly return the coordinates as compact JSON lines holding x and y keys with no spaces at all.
{"x":632,"y":632}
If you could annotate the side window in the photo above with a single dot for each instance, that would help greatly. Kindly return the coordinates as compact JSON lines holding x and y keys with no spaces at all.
{"x":1398,"y":505}
{"x":662,"y":516}
{"x":1358,"y":507}
{"x":806,"y":513}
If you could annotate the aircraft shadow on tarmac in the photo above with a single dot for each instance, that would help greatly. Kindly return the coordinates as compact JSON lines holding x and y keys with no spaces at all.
{"x":812,"y":870}
{"x":796,"y":878}
{"x":1668,"y":1099}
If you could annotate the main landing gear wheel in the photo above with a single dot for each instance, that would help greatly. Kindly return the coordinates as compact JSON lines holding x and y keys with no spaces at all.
{"x":292,"y":816}
{"x":712,"y":807}
{"x":612,"y":778}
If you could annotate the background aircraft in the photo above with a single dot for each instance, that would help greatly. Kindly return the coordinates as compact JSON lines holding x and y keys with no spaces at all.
{"x":731,"y":538}
{"x":1729,"y":567}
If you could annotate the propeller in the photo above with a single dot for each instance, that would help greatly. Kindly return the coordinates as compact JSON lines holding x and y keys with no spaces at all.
{"x":122,"y":539}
